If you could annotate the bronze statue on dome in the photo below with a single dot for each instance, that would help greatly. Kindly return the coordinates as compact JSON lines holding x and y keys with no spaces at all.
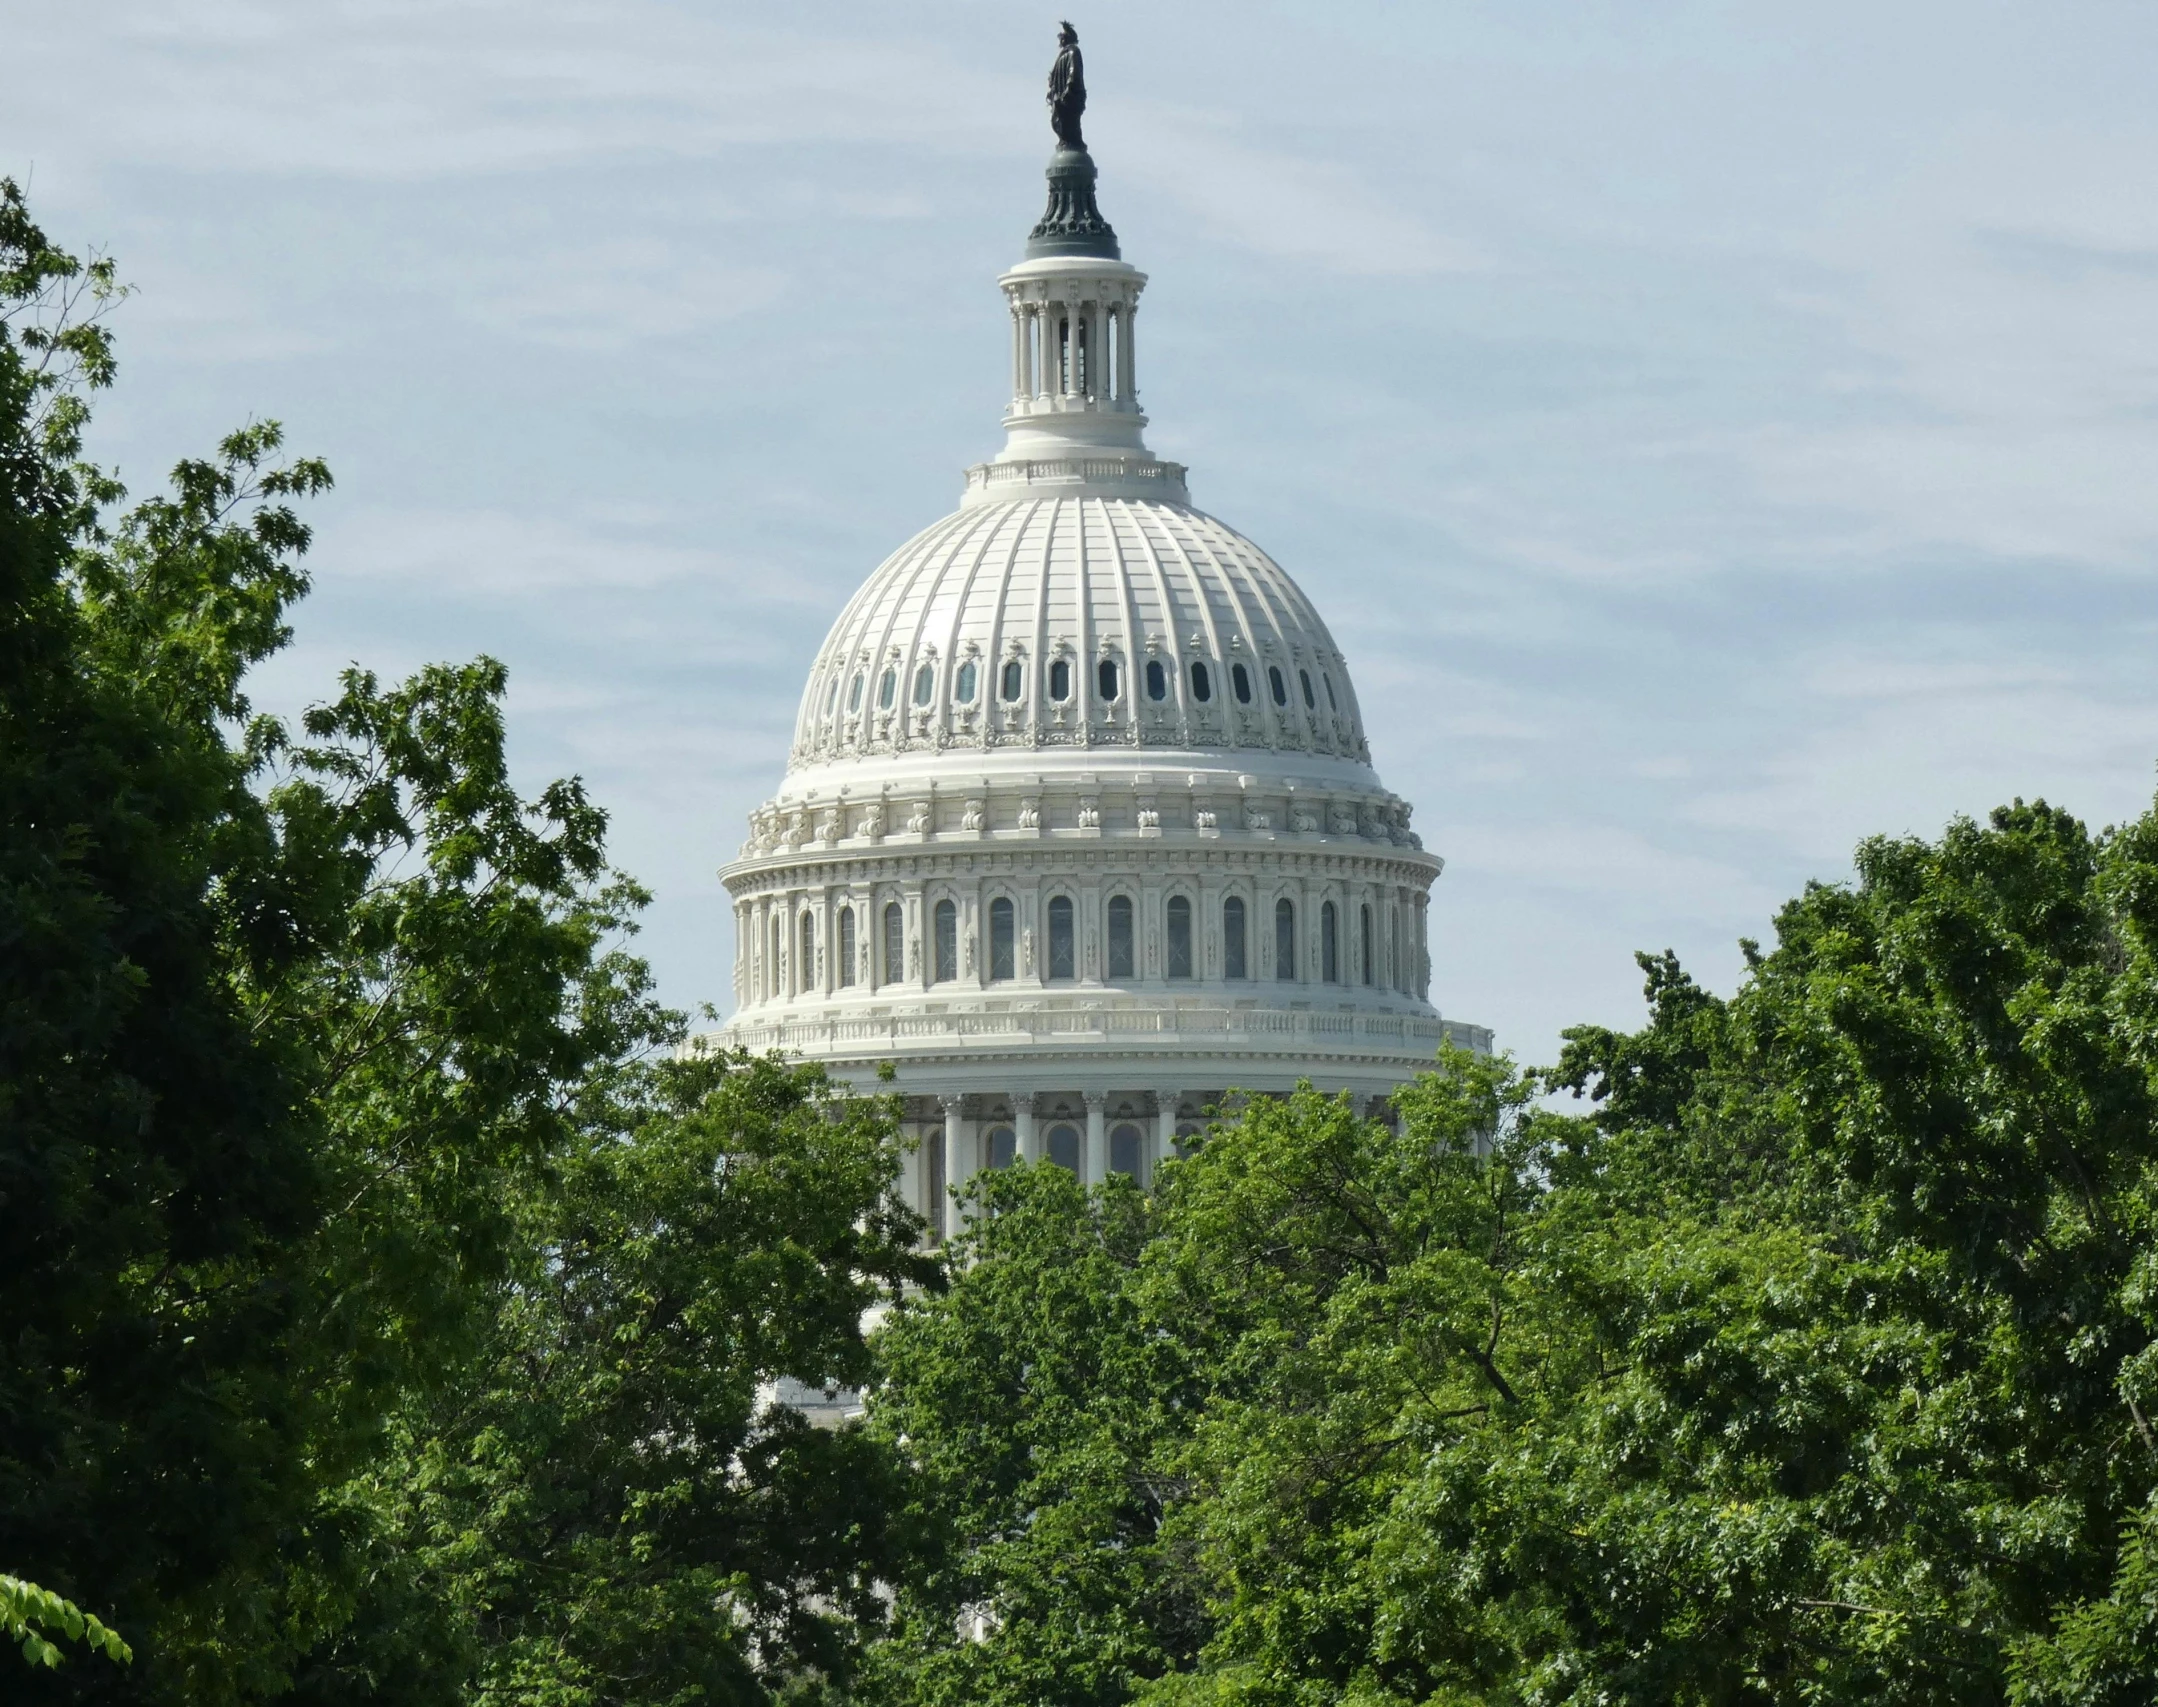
{"x":1067,"y":89}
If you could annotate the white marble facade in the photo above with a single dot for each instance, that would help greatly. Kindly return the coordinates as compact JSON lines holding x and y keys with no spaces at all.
{"x":1079,"y":829}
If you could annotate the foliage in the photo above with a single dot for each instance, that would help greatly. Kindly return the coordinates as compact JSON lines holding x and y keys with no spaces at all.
{"x":31,"y":1616}
{"x":608,"y":1506}
{"x":1814,"y":1365}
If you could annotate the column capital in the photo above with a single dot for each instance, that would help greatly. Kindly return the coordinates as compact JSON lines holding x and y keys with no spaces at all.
{"x":952,"y":1101}
{"x":1023,"y":1101}
{"x":1095,"y":1101}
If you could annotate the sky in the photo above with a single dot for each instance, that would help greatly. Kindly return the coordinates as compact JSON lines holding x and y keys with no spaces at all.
{"x":1714,"y":433}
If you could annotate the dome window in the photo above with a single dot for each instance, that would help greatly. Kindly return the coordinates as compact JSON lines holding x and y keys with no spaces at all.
{"x":1363,"y":943}
{"x":1329,"y":945}
{"x":925,"y":683}
{"x":1285,"y":940}
{"x":1126,"y":1143}
{"x":887,"y":686}
{"x":963,"y":688}
{"x":1202,"y":684}
{"x":1157,"y":680}
{"x":1120,"y":954}
{"x":1179,"y":937}
{"x":1332,"y":704}
{"x":895,"y":943}
{"x":845,"y":968}
{"x":1015,"y":680}
{"x":854,"y":695}
{"x":831,"y":700}
{"x":1064,"y":1147}
{"x":1060,"y":680}
{"x":1105,"y":678}
{"x":1304,"y":678}
{"x":1240,"y":680}
{"x":947,"y":917}
{"x":1280,"y":687}
{"x":1232,"y":938}
{"x":1003,"y":962}
{"x":1063,"y":965}
{"x":1003,"y":1146}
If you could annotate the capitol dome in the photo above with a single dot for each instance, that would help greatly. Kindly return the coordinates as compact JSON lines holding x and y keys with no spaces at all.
{"x":1079,"y":829}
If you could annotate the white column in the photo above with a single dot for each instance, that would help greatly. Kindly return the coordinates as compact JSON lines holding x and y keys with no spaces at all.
{"x":956,"y":1172}
{"x":1128,"y":386}
{"x":1165,"y":1125}
{"x":1019,"y":351}
{"x":1095,"y":1163}
{"x":1030,"y":1144}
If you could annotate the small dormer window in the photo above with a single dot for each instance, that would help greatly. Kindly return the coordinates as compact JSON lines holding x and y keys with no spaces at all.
{"x":831,"y":700}
{"x":1015,"y":680}
{"x":1105,"y":678}
{"x":1332,"y":704}
{"x":925,"y":683}
{"x":854,"y":694}
{"x":1157,"y":680}
{"x":887,"y":688}
{"x":1202,"y":683}
{"x":1060,"y":680}
{"x":963,"y":688}
{"x":1280,"y":687}
{"x":1240,"y":680}
{"x":1304,"y":680}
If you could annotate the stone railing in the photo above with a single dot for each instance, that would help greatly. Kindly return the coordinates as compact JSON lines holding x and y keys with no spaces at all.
{"x":1270,"y":1031}
{"x":1169,"y":476}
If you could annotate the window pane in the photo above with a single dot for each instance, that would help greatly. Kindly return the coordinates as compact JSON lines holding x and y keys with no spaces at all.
{"x":925,"y":683}
{"x":1329,"y":948}
{"x":1364,"y":943}
{"x":1060,"y":680}
{"x":1202,"y":685}
{"x":1062,"y":962}
{"x":947,"y":942}
{"x":1280,"y":687}
{"x":846,"y":946}
{"x":886,"y":687}
{"x":1240,"y":679}
{"x":1003,"y":1146}
{"x":1303,"y":678}
{"x":1015,"y":677}
{"x":1285,"y":939}
{"x":1105,"y":678}
{"x":1002,"y":959}
{"x":963,"y":689}
{"x":854,"y":695}
{"x":1157,"y":680}
{"x":1332,"y":704}
{"x":831,"y":699}
{"x":1120,"y":957}
{"x":1064,"y":1147}
{"x":895,"y":943}
{"x":1126,"y":1146}
{"x":1232,"y":937}
{"x":1179,"y":937}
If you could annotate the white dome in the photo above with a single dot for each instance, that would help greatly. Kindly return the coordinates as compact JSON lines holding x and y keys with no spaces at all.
{"x":1079,"y":622}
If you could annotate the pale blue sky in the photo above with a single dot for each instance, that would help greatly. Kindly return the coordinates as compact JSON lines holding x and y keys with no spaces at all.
{"x":1713,"y":432}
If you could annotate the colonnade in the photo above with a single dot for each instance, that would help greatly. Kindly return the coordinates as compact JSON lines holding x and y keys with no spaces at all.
{"x":1110,"y":1136}
{"x":1059,"y":349}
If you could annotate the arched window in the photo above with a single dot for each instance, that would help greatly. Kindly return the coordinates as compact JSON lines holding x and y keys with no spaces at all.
{"x":1003,"y":956}
{"x":1120,"y":955}
{"x":963,"y":687}
{"x":925,"y":683}
{"x":1064,"y":1147}
{"x":854,"y":695}
{"x":947,"y":917}
{"x":779,"y":956}
{"x":1003,"y":1146}
{"x":1393,"y":933}
{"x":1329,"y":945}
{"x":1285,"y":939}
{"x":1060,"y":680}
{"x":809,"y":951}
{"x":1303,"y":678}
{"x":1126,"y":1146}
{"x":1240,"y":680}
{"x":933,"y":1197}
{"x":1105,"y":678}
{"x":845,"y":969}
{"x":1157,"y":680}
{"x":1332,"y":704}
{"x":1363,"y":935}
{"x":1202,"y":684}
{"x":1232,"y":937}
{"x":1015,"y":679}
{"x":1280,"y":687}
{"x":887,"y":686}
{"x":895,"y":943}
{"x":1179,"y":937}
{"x":1063,"y":962}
